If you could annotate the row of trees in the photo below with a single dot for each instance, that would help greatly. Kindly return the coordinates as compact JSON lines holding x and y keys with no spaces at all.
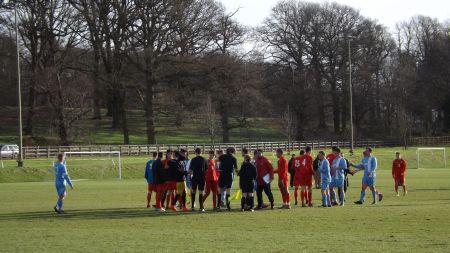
{"x":186,"y":56}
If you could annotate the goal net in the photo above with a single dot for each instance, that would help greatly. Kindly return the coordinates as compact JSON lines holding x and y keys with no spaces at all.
{"x":95,"y":164}
{"x":431,"y":158}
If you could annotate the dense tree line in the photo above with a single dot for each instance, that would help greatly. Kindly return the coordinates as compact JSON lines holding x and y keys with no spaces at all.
{"x":186,"y":57}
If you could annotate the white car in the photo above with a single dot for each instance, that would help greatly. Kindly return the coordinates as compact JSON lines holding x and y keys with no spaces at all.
{"x":9,"y":150}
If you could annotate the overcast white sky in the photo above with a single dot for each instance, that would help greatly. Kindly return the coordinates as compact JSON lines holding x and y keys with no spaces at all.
{"x":387,"y":12}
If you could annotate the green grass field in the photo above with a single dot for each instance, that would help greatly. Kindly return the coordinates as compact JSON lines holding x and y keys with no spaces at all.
{"x":109,"y":215}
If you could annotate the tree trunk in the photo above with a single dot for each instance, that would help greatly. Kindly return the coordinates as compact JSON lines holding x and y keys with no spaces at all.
{"x":126,"y":135}
{"x":28,"y":130}
{"x":300,"y":122}
{"x":97,"y":90}
{"x":149,"y":114}
{"x":116,"y":109}
{"x":225,"y":121}
{"x":336,"y":110}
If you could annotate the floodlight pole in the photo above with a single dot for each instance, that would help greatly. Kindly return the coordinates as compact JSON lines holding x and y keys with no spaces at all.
{"x":350,"y":93}
{"x":19,"y":92}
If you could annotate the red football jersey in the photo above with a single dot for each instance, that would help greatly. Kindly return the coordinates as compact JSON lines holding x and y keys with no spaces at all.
{"x":212,"y":174}
{"x":306,"y":162}
{"x":296,"y":165}
{"x":330,"y":157}
{"x":399,"y":167}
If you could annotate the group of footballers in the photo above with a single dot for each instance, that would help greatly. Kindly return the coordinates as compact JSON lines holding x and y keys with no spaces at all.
{"x":174,"y":178}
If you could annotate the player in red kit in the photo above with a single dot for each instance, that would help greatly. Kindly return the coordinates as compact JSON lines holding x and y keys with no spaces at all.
{"x":283,"y":179}
{"x":211,"y":179}
{"x":296,"y":166}
{"x":306,"y":175}
{"x":399,"y":173}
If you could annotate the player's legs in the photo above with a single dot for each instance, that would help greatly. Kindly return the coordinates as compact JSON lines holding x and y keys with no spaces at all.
{"x":363,"y":194}
{"x":396,"y":184}
{"x":269,"y":194}
{"x":61,"y":191}
{"x":332,"y":192}
{"x":309,"y":192}
{"x":323,"y":190}
{"x":282,"y":184}
{"x":341,"y":195}
{"x":259,"y":197}
{"x":303,"y":194}
{"x":149,"y":194}
{"x":405,"y":191}
{"x":194,"y":186}
{"x":207,"y":191}
{"x":243,"y":201}
{"x":374,"y":193}
{"x":201,"y":189}
{"x":227,"y":197}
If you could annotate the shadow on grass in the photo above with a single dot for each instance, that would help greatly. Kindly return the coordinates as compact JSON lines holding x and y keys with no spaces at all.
{"x":115,"y":213}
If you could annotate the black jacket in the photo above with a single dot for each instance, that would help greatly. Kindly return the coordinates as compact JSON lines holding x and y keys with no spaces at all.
{"x":198,"y":166}
{"x":159,"y":173}
{"x":228,"y":164}
{"x":247,"y":173}
{"x":316,"y":164}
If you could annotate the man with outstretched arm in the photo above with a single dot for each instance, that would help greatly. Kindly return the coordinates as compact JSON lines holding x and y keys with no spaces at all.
{"x":369,"y":165}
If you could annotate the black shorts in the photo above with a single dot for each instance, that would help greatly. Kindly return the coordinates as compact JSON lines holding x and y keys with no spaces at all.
{"x":197,"y":184}
{"x":247,"y":187}
{"x":225,"y":181}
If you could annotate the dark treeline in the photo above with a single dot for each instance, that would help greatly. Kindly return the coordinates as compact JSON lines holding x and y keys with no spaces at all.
{"x":186,"y":57}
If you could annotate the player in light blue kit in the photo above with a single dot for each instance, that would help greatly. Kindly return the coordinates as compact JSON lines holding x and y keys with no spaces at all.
{"x":369,"y":165}
{"x":326,"y":179}
{"x":338,"y":179}
{"x":61,"y":178}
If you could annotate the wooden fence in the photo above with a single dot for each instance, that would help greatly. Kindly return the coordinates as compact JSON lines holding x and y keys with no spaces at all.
{"x":138,"y":150}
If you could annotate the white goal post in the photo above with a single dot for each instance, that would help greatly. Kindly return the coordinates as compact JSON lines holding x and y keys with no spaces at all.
{"x":119,"y":163}
{"x":431,"y":149}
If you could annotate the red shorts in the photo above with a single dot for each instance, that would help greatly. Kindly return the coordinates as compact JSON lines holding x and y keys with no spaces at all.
{"x":284,"y":181}
{"x":151,"y":187}
{"x":171,"y":186}
{"x":211,"y":186}
{"x":160,"y":187}
{"x":399,"y":179}
{"x":303,"y":180}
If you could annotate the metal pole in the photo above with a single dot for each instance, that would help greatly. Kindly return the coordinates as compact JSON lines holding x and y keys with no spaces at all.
{"x":351,"y":94}
{"x":19,"y":92}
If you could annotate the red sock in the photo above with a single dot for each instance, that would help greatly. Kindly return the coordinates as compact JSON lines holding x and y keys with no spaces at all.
{"x":169,"y":199}
{"x":310,"y":197}
{"x":214,"y":200}
{"x":149,"y":198}
{"x":283,"y":196}
{"x":296,"y":194}
{"x":158,"y":200}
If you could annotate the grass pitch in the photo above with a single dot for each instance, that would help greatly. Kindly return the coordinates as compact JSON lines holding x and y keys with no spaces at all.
{"x":110,"y":216}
